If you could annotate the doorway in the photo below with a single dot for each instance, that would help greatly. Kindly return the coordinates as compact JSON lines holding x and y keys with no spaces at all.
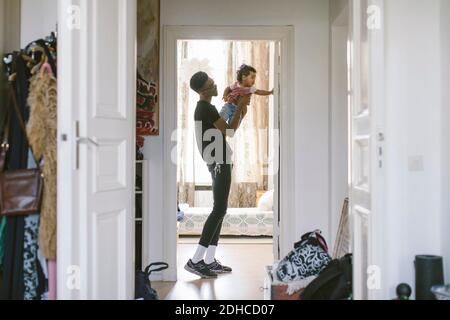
{"x":251,"y":215}
{"x":280,"y":36}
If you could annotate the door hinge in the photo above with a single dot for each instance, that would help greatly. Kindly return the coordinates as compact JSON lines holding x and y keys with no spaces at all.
{"x":381,"y":139}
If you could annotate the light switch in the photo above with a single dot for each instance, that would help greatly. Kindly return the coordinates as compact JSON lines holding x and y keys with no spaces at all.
{"x":416,"y":164}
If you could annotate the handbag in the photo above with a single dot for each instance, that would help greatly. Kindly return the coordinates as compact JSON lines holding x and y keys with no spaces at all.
{"x":20,"y":190}
{"x":143,"y":286}
{"x":309,"y":257}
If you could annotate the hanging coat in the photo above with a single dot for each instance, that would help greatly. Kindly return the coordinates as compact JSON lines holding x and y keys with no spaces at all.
{"x":42,"y":131}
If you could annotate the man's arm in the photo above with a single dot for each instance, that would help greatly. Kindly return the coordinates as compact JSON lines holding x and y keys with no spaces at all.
{"x":241,"y":112}
{"x":230,"y":129}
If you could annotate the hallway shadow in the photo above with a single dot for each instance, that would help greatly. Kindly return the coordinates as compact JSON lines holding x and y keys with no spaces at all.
{"x":204,"y":289}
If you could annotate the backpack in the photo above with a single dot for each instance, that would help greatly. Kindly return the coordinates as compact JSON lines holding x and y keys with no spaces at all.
{"x":309,"y":257}
{"x":143,"y":287}
{"x":333,"y":283}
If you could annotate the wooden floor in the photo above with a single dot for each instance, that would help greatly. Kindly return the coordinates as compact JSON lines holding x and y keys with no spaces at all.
{"x":248,"y":261}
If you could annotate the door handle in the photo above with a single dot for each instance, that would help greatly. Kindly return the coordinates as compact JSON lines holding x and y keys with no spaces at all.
{"x":81,"y":140}
{"x":86,"y":140}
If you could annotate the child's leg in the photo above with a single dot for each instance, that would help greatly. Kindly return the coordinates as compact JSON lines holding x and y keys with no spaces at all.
{"x":227,"y":112}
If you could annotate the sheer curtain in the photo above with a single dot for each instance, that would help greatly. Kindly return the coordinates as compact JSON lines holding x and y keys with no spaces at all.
{"x":191,"y":171}
{"x":250,"y":145}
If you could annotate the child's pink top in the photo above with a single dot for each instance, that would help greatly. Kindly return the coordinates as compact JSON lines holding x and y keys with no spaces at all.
{"x":238,"y":91}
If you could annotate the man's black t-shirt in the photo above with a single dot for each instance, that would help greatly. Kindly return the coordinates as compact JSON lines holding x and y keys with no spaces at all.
{"x":210,"y":141}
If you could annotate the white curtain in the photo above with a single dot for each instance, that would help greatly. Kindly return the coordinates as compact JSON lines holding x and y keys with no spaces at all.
{"x":250,"y":145}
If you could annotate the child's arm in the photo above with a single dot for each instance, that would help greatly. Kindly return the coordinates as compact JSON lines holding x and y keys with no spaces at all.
{"x":263,"y":93}
{"x":226,"y":93}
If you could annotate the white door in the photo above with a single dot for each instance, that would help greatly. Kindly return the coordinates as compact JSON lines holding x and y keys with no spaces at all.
{"x":366,"y":145}
{"x":367,"y":148}
{"x":96,"y":113}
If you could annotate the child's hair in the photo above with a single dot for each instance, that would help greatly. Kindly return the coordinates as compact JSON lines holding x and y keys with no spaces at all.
{"x":244,"y":71}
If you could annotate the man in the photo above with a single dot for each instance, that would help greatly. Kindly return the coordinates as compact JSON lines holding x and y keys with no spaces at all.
{"x":211,"y":132}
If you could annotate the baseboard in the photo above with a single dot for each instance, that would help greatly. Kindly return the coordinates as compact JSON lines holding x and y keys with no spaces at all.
{"x":157,"y":277}
{"x":169,"y":275}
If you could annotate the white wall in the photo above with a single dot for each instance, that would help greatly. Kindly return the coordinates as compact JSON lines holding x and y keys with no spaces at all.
{"x":2,"y":25}
{"x":2,"y":52}
{"x":9,"y":37}
{"x":336,"y":8}
{"x":10,"y":25}
{"x":445,"y":87}
{"x":39,"y":19}
{"x":23,"y":21}
{"x":311,"y":21}
{"x":413,"y":131}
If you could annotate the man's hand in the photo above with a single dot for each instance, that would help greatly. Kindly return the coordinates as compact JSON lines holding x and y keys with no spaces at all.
{"x":244,"y":101}
{"x":226,"y":94}
{"x":243,"y":104}
{"x":244,"y":111}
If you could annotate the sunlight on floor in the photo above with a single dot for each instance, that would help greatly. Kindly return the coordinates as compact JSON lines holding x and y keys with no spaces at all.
{"x":248,"y":261}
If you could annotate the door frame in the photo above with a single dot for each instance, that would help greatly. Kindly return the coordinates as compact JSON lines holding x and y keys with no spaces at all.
{"x":67,"y":207}
{"x":377,"y":239}
{"x":282,"y":34}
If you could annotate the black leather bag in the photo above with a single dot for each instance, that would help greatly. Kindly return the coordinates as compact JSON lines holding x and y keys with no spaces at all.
{"x":333,"y":283}
{"x":143,"y":286}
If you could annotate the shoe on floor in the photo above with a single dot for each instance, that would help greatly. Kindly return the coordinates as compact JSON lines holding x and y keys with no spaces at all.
{"x":217,"y":267}
{"x":200,"y":269}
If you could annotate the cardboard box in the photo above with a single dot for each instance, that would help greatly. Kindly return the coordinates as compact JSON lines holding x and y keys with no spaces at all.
{"x":274,"y":291}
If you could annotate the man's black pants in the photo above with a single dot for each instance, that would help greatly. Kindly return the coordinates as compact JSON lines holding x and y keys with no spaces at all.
{"x":221,"y":183}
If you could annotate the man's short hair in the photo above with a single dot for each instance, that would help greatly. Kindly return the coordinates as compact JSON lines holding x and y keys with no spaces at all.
{"x":198,"y":81}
